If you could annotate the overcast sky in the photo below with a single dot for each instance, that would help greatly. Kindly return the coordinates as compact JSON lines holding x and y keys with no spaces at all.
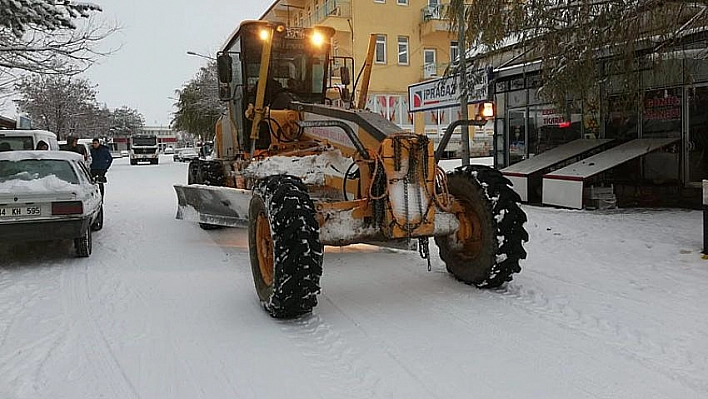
{"x":155,"y":37}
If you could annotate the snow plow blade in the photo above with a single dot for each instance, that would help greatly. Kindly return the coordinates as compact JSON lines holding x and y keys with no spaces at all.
{"x":220,"y":206}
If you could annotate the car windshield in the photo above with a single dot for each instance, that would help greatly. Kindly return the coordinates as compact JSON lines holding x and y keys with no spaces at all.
{"x":144,"y":141}
{"x":32,"y":169}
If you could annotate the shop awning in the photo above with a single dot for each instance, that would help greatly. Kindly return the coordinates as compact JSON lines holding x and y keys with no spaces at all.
{"x":520,"y":172}
{"x":564,"y":187}
{"x":553,"y":156}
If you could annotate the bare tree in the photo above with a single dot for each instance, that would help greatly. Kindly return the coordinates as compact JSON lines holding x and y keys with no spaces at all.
{"x":48,"y":36}
{"x":68,"y":106}
{"x":56,"y":103}
{"x":580,"y":42}
{"x":125,"y":121}
{"x":198,"y":105}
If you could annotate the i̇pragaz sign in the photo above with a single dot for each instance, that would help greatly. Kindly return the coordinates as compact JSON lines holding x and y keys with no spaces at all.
{"x":445,"y":92}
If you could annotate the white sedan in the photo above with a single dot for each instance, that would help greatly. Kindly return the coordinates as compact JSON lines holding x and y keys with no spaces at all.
{"x":48,"y":195}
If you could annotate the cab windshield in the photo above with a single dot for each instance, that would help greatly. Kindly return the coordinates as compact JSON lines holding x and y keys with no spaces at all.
{"x":297,"y":65}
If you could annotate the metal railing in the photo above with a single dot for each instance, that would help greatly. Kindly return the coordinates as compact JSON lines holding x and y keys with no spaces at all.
{"x":434,"y":12}
{"x":330,"y":8}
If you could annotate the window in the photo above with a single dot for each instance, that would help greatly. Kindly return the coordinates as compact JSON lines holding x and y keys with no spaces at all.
{"x":379,"y":1}
{"x":454,"y":51}
{"x":402,"y":50}
{"x":402,"y":2}
{"x":429,"y":67}
{"x":380,"y":57}
{"x":33,"y":169}
{"x":432,"y":11}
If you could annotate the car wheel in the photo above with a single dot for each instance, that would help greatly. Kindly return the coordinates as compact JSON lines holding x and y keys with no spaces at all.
{"x":98,"y":223}
{"x":84,"y":244}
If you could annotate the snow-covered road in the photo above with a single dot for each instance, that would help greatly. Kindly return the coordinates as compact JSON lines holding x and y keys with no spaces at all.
{"x":609,"y":305}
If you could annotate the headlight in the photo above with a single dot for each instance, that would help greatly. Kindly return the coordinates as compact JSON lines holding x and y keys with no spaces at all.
{"x":264,"y":34}
{"x":317,"y":38}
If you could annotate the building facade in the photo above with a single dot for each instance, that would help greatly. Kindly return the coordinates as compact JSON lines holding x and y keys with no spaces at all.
{"x":414,"y":43}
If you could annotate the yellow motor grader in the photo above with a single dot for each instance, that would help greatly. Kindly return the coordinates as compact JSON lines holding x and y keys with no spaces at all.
{"x":301,"y":166}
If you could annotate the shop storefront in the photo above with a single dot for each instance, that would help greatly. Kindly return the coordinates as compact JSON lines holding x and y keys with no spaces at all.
{"x":672,"y":102}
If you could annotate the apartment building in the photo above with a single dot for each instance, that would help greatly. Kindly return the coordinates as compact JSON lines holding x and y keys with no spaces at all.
{"x":413,"y":43}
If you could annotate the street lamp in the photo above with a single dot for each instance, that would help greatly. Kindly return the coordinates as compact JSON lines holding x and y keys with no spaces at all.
{"x":201,"y":55}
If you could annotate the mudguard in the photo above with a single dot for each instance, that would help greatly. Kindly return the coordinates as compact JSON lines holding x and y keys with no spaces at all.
{"x":221,"y":206}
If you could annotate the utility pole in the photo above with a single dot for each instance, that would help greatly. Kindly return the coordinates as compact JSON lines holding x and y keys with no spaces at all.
{"x":463,"y":86}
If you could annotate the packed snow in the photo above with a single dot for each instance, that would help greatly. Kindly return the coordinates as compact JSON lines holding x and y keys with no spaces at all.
{"x":311,"y":168}
{"x":27,"y":183}
{"x":609,"y":304}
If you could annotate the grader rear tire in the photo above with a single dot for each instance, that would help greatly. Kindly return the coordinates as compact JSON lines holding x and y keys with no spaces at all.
{"x":284,"y":245}
{"x":489,"y":256}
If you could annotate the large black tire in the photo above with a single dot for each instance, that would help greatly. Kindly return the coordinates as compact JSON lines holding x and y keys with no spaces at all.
{"x":98,"y":222}
{"x":491,"y":256}
{"x":285,"y":248}
{"x":84,"y":244}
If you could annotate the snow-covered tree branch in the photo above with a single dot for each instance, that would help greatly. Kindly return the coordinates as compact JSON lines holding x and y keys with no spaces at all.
{"x":67,"y":105}
{"x":576,"y":39}
{"x":198,"y":105}
{"x":48,"y":37}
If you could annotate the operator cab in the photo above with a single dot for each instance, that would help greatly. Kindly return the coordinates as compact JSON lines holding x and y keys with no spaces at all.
{"x":298,"y":70}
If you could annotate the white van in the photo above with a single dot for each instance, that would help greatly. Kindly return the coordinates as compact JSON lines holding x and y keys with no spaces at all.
{"x":20,"y":140}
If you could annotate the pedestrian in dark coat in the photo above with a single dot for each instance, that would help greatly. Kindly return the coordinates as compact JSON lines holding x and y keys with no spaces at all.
{"x":101,"y":160}
{"x":72,"y":144}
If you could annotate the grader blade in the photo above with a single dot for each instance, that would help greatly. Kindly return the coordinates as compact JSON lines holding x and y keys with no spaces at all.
{"x":220,"y":206}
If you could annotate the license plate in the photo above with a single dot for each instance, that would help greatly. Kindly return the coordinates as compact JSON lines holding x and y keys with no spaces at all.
{"x":20,"y":211}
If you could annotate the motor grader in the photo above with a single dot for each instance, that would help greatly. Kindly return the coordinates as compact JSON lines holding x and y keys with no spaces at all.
{"x":299,"y":163}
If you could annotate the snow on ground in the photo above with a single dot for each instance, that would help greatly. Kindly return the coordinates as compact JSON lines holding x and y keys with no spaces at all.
{"x":610,"y":304}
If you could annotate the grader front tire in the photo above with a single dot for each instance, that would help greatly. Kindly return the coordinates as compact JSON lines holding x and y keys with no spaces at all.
{"x":487,"y":250}
{"x":284,"y":245}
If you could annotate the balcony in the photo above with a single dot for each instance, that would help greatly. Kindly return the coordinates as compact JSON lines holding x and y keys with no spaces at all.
{"x":433,"y":19}
{"x":332,"y":13}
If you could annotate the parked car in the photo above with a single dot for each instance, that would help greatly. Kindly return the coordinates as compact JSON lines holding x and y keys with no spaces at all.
{"x":48,"y":195}
{"x":188,"y":154}
{"x":169,"y":150}
{"x":124,"y":153}
{"x":19,"y":140}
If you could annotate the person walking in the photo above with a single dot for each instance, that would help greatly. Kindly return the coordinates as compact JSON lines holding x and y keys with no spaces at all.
{"x":101,"y":160}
